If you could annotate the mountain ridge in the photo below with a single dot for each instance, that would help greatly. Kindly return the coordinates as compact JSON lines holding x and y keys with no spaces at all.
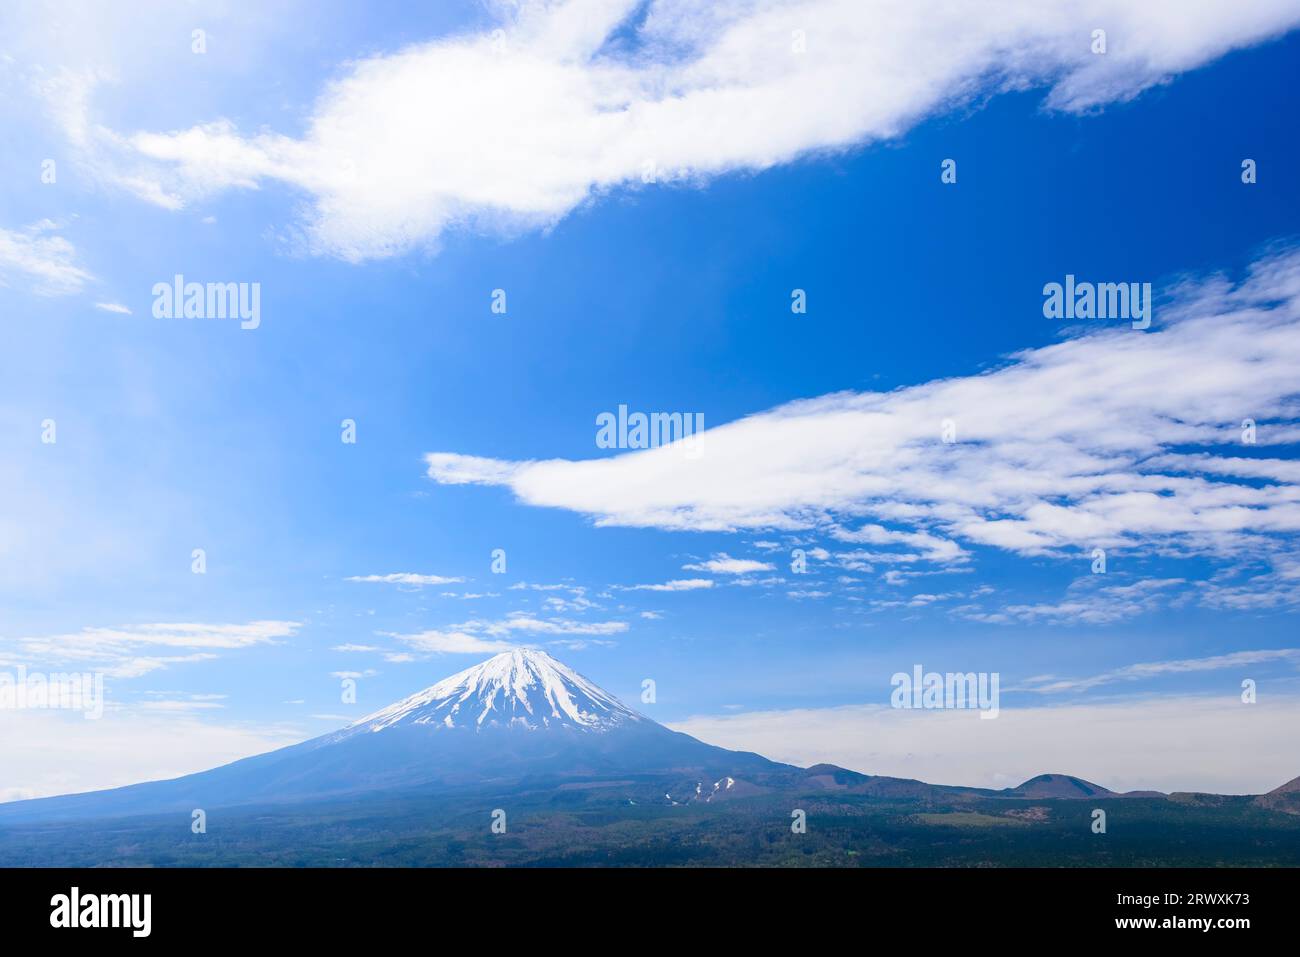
{"x":522,"y":719}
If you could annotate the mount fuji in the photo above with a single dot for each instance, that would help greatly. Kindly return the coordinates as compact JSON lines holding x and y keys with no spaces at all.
{"x":519,"y":719}
{"x":523,"y":689}
{"x":587,"y":781}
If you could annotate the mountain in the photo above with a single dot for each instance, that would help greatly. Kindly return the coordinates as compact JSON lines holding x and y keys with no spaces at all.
{"x":525,"y":725}
{"x":519,"y":719}
{"x":523,"y":689}
{"x":588,"y":781}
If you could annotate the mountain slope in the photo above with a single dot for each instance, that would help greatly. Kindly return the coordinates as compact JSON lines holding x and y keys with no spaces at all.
{"x":1285,"y":798}
{"x":519,"y":718}
{"x":524,"y":722}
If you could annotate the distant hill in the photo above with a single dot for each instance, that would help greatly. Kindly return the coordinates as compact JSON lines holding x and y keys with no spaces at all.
{"x":1059,"y":786}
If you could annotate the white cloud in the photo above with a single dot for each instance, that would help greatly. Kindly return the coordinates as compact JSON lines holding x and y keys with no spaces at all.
{"x":507,"y":135}
{"x":1278,"y":588}
{"x":491,"y":637}
{"x":43,"y":261}
{"x":1151,"y":669}
{"x":581,"y":644}
{"x":116,"y":307}
{"x":1062,"y":449}
{"x":179,"y":705}
{"x":1166,"y":744}
{"x":577,"y":604}
{"x":452,"y":642}
{"x":405,"y":578}
{"x":677,"y":584}
{"x":724,"y":564}
{"x":930,"y":548}
{"x":1088,"y":601}
{"x":130,"y":651}
{"x":521,"y":621}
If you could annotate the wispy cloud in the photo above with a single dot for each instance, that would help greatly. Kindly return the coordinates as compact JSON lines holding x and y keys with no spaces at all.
{"x":724,"y":564}
{"x":131,"y":651}
{"x":520,"y":621}
{"x":451,"y":641}
{"x":182,"y":705}
{"x":1062,"y":449}
{"x":405,"y":578}
{"x":41,"y":260}
{"x":1153,"y":669}
{"x":1237,"y":589}
{"x":581,"y":644}
{"x":1090,"y":601}
{"x":343,"y":675}
{"x":546,"y":114}
{"x":576,"y":604}
{"x":677,"y":584}
{"x":496,"y":635}
{"x":914,"y":546}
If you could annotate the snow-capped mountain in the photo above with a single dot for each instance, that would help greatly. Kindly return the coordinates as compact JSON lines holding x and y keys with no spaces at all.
{"x":524,"y":688}
{"x":519,"y":725}
{"x":521,"y":718}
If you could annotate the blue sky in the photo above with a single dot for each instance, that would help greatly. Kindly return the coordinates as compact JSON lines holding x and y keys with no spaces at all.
{"x":379,"y":193}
